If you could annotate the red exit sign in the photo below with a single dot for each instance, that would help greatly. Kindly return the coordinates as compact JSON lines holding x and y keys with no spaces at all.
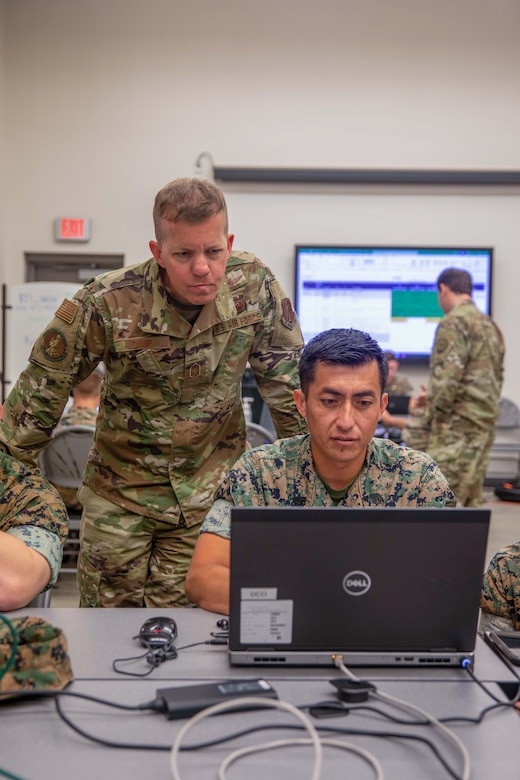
{"x":67,"y":229}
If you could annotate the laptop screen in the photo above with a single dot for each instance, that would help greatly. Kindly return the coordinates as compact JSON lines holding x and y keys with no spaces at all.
{"x":398,"y":404}
{"x":367,"y":580}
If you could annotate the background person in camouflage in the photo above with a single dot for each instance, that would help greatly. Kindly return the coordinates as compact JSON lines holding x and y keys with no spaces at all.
{"x":339,"y":463}
{"x":175,"y":334}
{"x":466,"y":375}
{"x":86,"y":398}
{"x":396,"y":384}
{"x":33,"y":529}
{"x":414,"y":427}
{"x":500,"y":600}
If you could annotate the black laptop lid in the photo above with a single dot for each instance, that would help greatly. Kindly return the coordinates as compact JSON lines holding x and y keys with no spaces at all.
{"x":398,"y":404}
{"x":373,"y":579}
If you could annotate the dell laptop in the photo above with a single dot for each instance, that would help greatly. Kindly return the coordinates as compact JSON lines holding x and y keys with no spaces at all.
{"x":375,"y":586}
{"x":398,"y":404}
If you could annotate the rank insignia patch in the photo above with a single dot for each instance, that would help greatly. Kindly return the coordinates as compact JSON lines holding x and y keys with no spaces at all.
{"x":288,"y":314}
{"x":54,"y":345}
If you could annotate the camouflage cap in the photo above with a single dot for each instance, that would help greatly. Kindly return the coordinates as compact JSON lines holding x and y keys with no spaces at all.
{"x":41,"y":660}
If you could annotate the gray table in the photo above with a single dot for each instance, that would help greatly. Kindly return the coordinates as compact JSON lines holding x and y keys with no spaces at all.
{"x":35,"y":744}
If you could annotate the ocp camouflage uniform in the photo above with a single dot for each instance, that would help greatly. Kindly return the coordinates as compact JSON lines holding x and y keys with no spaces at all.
{"x":400,"y":385}
{"x":500,"y":599}
{"x":170,"y":423}
{"x":416,"y":433}
{"x":467,"y":371}
{"x":32,"y":511}
{"x":283,"y":474}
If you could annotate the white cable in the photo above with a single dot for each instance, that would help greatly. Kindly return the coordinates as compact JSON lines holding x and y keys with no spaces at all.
{"x":329,"y":741}
{"x":339,"y":663}
{"x":466,"y":761}
{"x":255,"y":702}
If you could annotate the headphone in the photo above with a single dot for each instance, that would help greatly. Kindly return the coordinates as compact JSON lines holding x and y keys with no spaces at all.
{"x":159,"y":635}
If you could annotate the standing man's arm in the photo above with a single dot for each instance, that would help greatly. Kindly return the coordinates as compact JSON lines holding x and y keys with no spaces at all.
{"x":63,"y":354}
{"x":275,"y":357}
{"x":447,"y":367}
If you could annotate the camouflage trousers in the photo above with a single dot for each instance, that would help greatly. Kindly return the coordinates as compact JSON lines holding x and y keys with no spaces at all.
{"x":463,"y":458}
{"x":127,"y":560}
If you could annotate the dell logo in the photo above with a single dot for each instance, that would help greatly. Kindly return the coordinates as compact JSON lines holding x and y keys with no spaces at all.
{"x":356,"y":583}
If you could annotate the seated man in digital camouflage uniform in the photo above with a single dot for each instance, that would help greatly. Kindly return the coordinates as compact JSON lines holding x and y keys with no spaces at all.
{"x":339,"y":463}
{"x":500,"y":600}
{"x":33,"y":529}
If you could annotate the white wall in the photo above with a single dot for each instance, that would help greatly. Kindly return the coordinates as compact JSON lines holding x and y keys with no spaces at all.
{"x":107,"y":100}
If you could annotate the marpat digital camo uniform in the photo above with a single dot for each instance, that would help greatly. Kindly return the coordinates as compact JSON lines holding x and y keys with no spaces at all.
{"x":32,"y":511}
{"x":283,"y":474}
{"x":467,"y":372}
{"x":170,"y":423}
{"x":500,"y":600}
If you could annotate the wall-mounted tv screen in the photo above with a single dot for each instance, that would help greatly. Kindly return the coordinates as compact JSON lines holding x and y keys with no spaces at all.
{"x":389,"y":292}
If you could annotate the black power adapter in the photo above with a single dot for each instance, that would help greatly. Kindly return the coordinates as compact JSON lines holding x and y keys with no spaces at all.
{"x":187,"y":700}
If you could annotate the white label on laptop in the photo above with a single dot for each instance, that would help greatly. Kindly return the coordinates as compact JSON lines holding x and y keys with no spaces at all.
{"x":257,"y":594}
{"x":266,"y":622}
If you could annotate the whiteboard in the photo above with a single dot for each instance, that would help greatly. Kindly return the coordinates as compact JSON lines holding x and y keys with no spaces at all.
{"x":32,"y":306}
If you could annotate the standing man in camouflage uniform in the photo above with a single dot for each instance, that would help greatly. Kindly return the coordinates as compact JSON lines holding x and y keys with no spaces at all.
{"x":339,"y":463}
{"x":175,"y":334}
{"x":466,"y":375}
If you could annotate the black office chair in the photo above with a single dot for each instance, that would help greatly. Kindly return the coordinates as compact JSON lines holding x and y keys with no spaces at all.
{"x":42,"y":599}
{"x":257,"y":435}
{"x":64,"y":458}
{"x":63,"y":462}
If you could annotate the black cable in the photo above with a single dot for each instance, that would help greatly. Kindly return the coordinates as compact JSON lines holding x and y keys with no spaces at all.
{"x":332,"y":708}
{"x":511,"y":702}
{"x":48,"y":693}
{"x":157,"y":656}
{"x":156,"y":705}
{"x":146,"y":655}
{"x":479,"y":718}
{"x":252,"y":730}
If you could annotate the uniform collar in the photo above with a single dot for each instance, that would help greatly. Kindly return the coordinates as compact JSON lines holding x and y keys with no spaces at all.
{"x":158,"y":315}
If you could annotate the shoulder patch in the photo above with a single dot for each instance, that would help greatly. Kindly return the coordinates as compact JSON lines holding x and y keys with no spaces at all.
{"x":240,"y":304}
{"x":441,"y":345}
{"x":67,"y":311}
{"x":288,"y":314}
{"x":54,"y":345}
